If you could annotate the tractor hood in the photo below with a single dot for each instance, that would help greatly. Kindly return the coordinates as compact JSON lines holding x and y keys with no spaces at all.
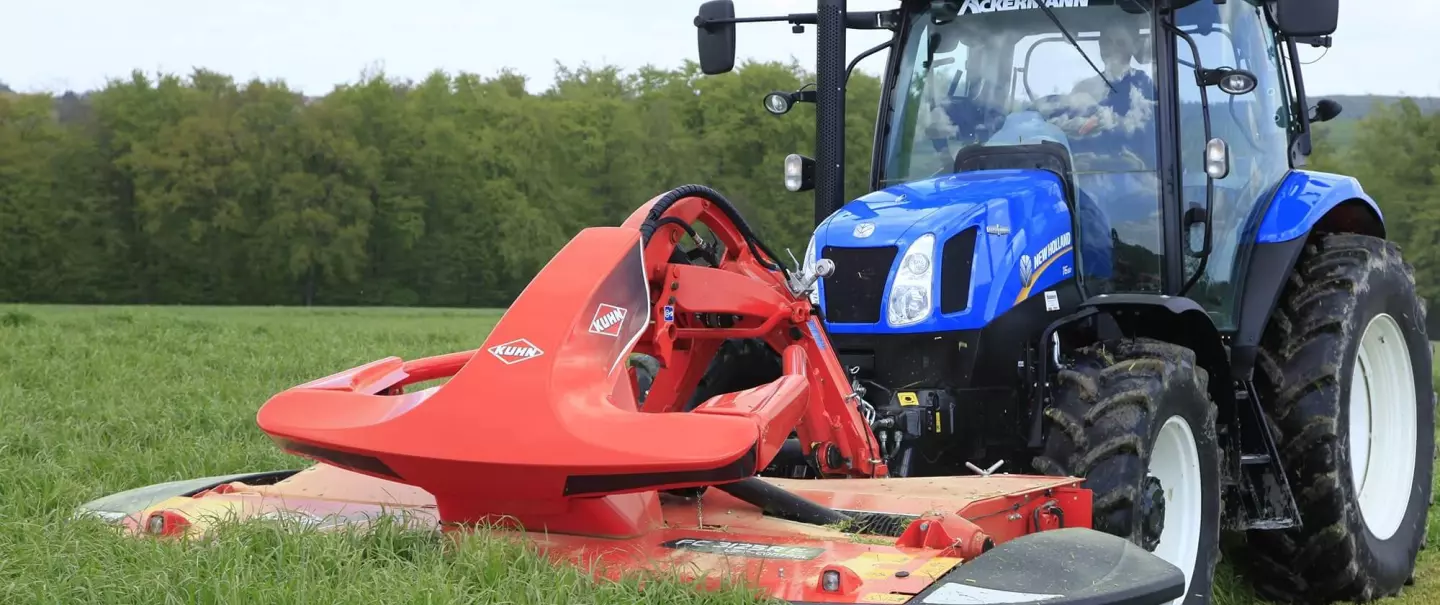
{"x":1000,"y":235}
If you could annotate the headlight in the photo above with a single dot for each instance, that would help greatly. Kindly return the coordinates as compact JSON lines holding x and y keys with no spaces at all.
{"x":910,"y":295}
{"x":809,"y":267}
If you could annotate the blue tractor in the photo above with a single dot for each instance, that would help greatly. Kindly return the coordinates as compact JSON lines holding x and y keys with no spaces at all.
{"x":1091,"y":248}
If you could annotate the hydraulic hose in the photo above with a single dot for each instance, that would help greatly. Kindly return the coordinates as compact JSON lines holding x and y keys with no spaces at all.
{"x":777,"y":502}
{"x":670,"y":198}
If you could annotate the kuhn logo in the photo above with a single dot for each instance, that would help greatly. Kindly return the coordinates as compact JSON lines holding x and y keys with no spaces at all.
{"x":515,"y":351}
{"x":993,"y":6}
{"x":608,"y":319}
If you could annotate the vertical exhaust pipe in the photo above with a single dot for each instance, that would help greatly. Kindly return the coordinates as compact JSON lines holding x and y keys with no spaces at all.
{"x":829,"y":108}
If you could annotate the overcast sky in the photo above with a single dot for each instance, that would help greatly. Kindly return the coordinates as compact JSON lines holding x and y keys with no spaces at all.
{"x":1381,"y":48}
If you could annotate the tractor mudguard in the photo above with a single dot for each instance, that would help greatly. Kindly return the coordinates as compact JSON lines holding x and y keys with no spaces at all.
{"x":1302,"y":202}
{"x":1304,"y":198}
{"x":1171,"y":319}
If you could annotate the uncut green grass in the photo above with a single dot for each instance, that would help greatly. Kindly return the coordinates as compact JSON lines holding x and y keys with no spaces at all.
{"x":98,"y":400}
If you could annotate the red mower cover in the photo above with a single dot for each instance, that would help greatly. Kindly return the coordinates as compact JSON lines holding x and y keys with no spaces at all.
{"x":541,"y":424}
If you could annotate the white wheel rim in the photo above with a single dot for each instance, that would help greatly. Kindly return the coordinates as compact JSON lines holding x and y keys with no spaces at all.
{"x":1382,"y":426}
{"x":1175,"y":461}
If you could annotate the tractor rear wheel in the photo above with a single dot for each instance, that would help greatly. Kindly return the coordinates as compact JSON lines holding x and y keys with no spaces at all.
{"x":1345,"y":376}
{"x":1134,"y":418}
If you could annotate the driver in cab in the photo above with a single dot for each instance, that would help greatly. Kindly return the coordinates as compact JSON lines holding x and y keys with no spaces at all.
{"x":1118,"y":106}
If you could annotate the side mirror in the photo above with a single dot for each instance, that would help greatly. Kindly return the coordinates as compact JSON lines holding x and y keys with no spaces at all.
{"x":716,"y":39}
{"x":1325,"y":111}
{"x":1305,"y":18}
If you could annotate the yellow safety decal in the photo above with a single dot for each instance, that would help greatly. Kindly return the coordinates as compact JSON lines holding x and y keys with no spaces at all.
{"x":874,"y":573}
{"x":937,"y":422}
{"x":908,"y":399}
{"x":885,"y":597}
{"x":937,"y":567}
{"x":877,"y":566}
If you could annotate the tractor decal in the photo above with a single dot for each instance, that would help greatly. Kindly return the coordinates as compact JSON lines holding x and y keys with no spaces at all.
{"x":1032,"y":267}
{"x":993,"y":6}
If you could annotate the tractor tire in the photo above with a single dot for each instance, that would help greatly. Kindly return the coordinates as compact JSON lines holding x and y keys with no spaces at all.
{"x":1346,"y":356}
{"x":1134,"y":418}
{"x":739,"y":364}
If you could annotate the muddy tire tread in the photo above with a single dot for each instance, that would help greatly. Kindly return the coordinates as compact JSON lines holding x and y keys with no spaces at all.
{"x":1299,"y":380}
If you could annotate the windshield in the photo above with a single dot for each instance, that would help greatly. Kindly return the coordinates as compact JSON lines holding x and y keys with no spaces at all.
{"x":1003,"y":72}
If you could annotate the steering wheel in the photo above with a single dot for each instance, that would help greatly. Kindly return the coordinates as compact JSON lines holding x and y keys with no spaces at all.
{"x":972,"y":121}
{"x":1057,"y":110}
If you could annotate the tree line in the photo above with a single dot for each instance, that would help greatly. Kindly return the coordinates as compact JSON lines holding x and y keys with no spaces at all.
{"x":450,"y":191}
{"x":1394,"y":152}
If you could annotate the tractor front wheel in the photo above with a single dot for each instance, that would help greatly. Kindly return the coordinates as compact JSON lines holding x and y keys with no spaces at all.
{"x":1134,"y":419}
{"x":1344,"y":373}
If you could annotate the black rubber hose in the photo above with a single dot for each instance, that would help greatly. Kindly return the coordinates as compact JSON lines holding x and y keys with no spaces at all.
{"x":652,"y":221}
{"x":699,"y":247}
{"x":777,"y":502}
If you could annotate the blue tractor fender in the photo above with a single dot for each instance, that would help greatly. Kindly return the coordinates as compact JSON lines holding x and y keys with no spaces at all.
{"x":1305,"y":198}
{"x":1305,"y":202}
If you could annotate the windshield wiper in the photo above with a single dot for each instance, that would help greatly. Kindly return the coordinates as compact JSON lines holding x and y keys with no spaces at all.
{"x":1056,"y":20}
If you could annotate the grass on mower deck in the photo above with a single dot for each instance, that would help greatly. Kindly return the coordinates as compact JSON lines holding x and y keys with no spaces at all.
{"x":99,"y":400}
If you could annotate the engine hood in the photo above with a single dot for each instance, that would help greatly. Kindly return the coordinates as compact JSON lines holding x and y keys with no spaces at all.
{"x":1021,"y":219}
{"x":943,"y":205}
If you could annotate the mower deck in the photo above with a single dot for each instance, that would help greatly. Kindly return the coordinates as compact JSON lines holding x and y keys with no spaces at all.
{"x":713,"y":537}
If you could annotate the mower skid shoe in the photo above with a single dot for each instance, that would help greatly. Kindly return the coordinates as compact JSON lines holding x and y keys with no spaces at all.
{"x":1075,"y":566}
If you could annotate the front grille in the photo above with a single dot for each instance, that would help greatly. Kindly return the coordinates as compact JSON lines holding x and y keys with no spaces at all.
{"x":853,"y":294}
{"x":955,"y":264}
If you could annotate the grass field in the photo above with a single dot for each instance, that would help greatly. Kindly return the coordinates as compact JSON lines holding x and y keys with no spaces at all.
{"x":95,"y":401}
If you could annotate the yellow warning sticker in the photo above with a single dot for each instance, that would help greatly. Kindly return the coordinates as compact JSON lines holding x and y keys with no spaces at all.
{"x":908,"y":399}
{"x":938,"y":426}
{"x":934,"y":568}
{"x":873,"y":573}
{"x":877,"y":566}
{"x":886,"y":597}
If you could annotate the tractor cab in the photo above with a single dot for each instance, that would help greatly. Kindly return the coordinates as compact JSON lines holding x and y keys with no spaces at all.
{"x":1170,"y":148}
{"x":1070,"y":89}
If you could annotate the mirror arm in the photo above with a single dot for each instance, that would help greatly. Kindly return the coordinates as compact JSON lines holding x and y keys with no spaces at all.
{"x":853,"y":20}
{"x":1301,"y":147}
{"x":1316,"y":41}
{"x":709,"y":23}
{"x":860,"y":57}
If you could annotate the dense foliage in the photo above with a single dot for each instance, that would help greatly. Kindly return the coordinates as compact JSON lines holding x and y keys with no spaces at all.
{"x":1394,"y":152}
{"x":452,"y":191}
